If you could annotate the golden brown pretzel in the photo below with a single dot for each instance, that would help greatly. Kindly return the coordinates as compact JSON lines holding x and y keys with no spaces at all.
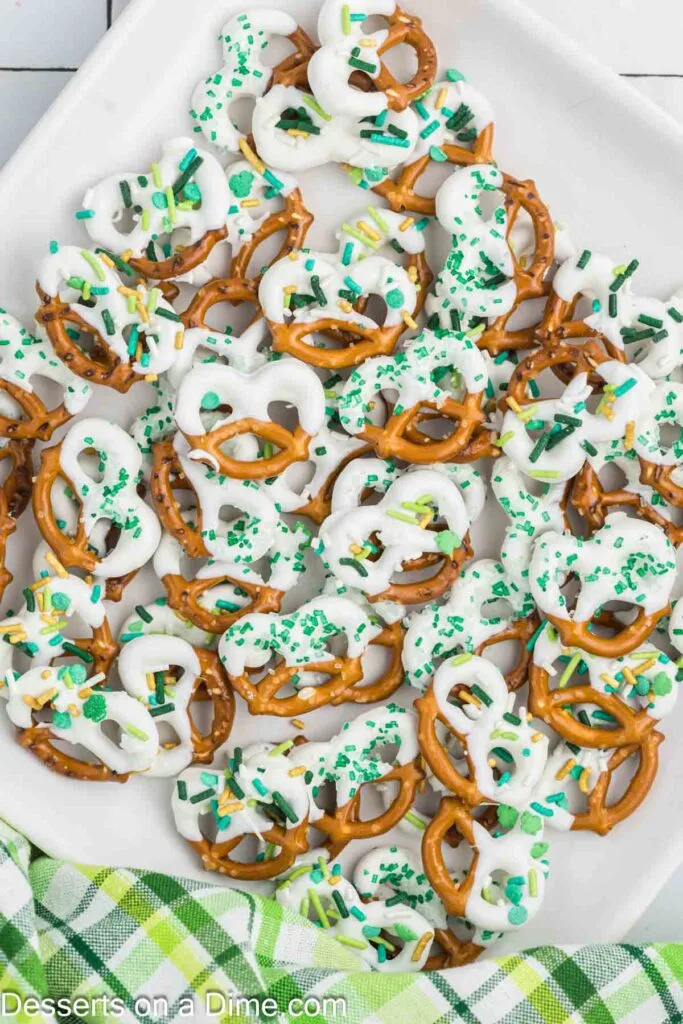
{"x":601,"y":817}
{"x":184,"y":597}
{"x":261,"y":696}
{"x":595,"y":502}
{"x":182,"y":262}
{"x":521,"y":631}
{"x":436,"y":756}
{"x":374,"y":341}
{"x":393,"y":440}
{"x":212,"y":681}
{"x":451,"y":813}
{"x":344,"y":824}
{"x":295,"y":220}
{"x":292,"y":445}
{"x":429,"y":589}
{"x":391,"y":638}
{"x":72,"y":552}
{"x":15,"y":494}
{"x":290,"y":843}
{"x":660,"y":478}
{"x":102,"y":366}
{"x":554,"y":707}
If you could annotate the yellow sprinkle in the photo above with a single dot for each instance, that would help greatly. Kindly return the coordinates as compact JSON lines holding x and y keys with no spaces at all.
{"x":42,"y":582}
{"x":367,"y":229}
{"x":107,"y":260}
{"x":299,"y":770}
{"x":250,"y":155}
{"x":294,"y":255}
{"x":584,"y":779}
{"x":491,"y":762}
{"x":297,"y":133}
{"x":565,"y":769}
{"x":151,"y":378}
{"x":40,"y":600}
{"x":32,"y":703}
{"x":17,"y":638}
{"x":610,"y":680}
{"x":367,"y":42}
{"x":441,"y":98}
{"x":53,"y":561}
{"x":151,"y":683}
{"x":298,"y":724}
{"x":12,"y":627}
{"x":122,"y":290}
{"x":47,"y":696}
{"x":513,"y":404}
{"x":469,"y":698}
{"x":225,"y":809}
{"x":127,"y":256}
{"x":247,"y":204}
{"x":345,"y":305}
{"x":47,"y":674}
{"x":74,"y":711}
{"x":426,"y":520}
{"x":290,"y":289}
{"x":355,"y":549}
{"x":419,"y":949}
{"x":648,"y":665}
{"x":179,"y":340}
{"x":630,"y":434}
{"x":412,"y":273}
{"x":85,"y":693}
{"x":536,"y":737}
{"x":408,"y":320}
{"x":407,"y":223}
{"x":630,"y":678}
{"x":142,"y":311}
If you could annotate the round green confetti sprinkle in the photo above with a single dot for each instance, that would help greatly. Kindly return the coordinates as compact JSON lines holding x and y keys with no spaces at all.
{"x":160,"y":200}
{"x":395,"y":298}
{"x":507,"y":816}
{"x":530,"y":823}
{"x":60,"y":601}
{"x":95,"y":708}
{"x":210,"y":400}
{"x":240,"y":184}
{"x":78,"y":674}
{"x":61,"y":720}
{"x":517,"y":915}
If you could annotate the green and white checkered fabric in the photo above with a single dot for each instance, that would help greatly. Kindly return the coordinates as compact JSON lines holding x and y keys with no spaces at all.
{"x":74,"y":932}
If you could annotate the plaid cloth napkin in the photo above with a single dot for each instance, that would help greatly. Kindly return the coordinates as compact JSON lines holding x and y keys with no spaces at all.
{"x":109,"y":942}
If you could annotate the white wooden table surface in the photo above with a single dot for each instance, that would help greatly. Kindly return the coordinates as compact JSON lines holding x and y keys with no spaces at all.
{"x":42,"y":43}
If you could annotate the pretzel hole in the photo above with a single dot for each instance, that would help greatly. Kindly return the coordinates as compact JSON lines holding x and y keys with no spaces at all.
{"x":372,"y":802}
{"x":505,"y":654}
{"x":377,"y":309}
{"x":230,"y":318}
{"x":670,"y":434}
{"x":401,"y":61}
{"x":9,"y":407}
{"x":527,"y":314}
{"x":270,"y":246}
{"x":241,"y":113}
{"x":75,"y":750}
{"x":225,"y":592}
{"x":376,"y":663}
{"x":91,"y":464}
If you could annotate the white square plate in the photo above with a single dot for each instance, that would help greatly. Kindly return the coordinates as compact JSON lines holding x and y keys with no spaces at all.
{"x":607,"y":163}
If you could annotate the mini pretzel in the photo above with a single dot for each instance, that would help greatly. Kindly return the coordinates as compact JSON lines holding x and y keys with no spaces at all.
{"x":15,"y":494}
{"x":114,"y":499}
{"x":323,"y":297}
{"x":314,"y":889}
{"x":300,"y":640}
{"x":332,"y":66}
{"x":631,"y":693}
{"x":143,"y":666}
{"x":399,"y":870}
{"x":38,"y":630}
{"x":661,"y":465}
{"x":484,"y":276}
{"x":617,"y":314}
{"x":568,"y":430}
{"x":273,"y":804}
{"x":243,"y":74}
{"x":514,"y":854}
{"x":400,"y":527}
{"x":594,"y":501}
{"x":135,"y":330}
{"x":637,"y":564}
{"x":592,"y":771}
{"x":488,"y":731}
{"x":22,"y":358}
{"x":248,"y":397}
{"x":410,"y":373}
{"x":186,"y":192}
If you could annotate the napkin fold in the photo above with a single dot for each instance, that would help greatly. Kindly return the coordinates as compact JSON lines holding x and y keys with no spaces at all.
{"x":138,"y":947}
